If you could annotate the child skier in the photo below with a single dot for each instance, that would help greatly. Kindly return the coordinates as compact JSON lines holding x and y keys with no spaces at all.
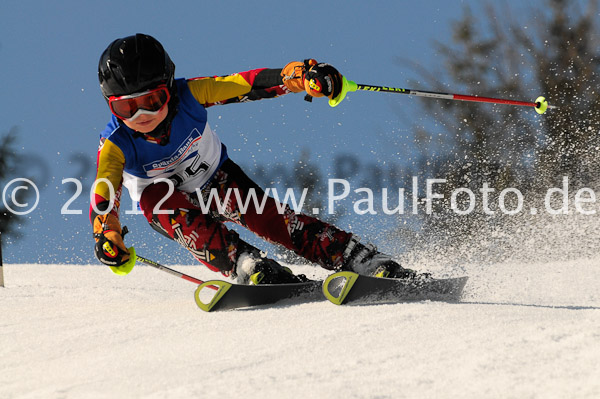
{"x":159,"y":145}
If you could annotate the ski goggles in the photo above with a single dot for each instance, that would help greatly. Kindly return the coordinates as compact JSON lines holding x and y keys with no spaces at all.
{"x":131,"y":106}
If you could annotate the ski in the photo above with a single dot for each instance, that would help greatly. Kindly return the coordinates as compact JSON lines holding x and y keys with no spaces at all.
{"x":339,"y":288}
{"x":350,"y":288}
{"x":234,"y":296}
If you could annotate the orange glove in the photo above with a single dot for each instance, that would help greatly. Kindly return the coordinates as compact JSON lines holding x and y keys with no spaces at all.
{"x":317,"y":79}
{"x":110,"y":248}
{"x":293,"y":76}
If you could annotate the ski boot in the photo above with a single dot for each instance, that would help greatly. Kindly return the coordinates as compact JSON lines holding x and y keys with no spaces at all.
{"x":366,"y":260}
{"x":253,"y":268}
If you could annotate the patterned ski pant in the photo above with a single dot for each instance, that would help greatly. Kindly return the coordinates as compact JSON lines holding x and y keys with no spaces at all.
{"x":205,"y":235}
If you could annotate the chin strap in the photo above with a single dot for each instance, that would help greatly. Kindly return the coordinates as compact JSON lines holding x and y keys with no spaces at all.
{"x":160,"y":135}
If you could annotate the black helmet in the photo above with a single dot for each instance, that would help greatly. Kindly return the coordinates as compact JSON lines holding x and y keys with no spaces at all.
{"x":134,"y":64}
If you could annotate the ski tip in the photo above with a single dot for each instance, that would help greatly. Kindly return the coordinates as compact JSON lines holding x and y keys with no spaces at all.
{"x":199,"y":295}
{"x":337,"y":286}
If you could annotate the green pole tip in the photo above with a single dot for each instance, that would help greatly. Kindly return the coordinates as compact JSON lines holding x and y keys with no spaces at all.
{"x":347,"y":86}
{"x":541,"y":105}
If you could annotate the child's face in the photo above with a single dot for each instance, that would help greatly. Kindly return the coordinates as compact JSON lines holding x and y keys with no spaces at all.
{"x":146,"y":123}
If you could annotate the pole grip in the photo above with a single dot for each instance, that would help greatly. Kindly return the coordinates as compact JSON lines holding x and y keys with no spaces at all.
{"x":347,"y":85}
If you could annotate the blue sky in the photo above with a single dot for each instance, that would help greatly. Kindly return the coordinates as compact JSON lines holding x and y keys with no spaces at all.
{"x":50,"y":50}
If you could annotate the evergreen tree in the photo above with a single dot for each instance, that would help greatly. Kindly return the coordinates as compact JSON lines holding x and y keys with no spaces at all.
{"x":8,"y":160}
{"x":498,"y":54}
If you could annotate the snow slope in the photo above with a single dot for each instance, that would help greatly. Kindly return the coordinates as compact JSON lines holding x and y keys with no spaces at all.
{"x":522,"y":331}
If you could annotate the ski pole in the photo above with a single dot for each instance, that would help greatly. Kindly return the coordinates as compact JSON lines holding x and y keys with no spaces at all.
{"x":127,"y":267}
{"x":168,"y":270}
{"x":540,"y":104}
